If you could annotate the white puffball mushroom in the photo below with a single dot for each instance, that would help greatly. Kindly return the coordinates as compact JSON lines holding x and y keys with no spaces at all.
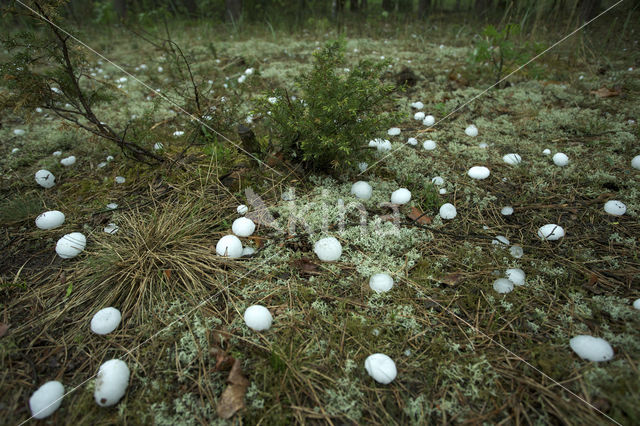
{"x":483,"y":145}
{"x":46,"y":400}
{"x":512,"y":159}
{"x":68,"y":161}
{"x":442,"y":191}
{"x":635,"y":162}
{"x":507,"y":211}
{"x":429,"y":120}
{"x":394,"y":131}
{"x":111,"y":383}
{"x":382,"y":145}
{"x":471,"y":131}
{"x":109,"y":158}
{"x":105,"y":320}
{"x":120,"y":179}
{"x":412,"y":141}
{"x":547,"y":151}
{"x":503,"y":285}
{"x":57,"y":153}
{"x":615,"y":207}
{"x":500,"y":239}
{"x":49,"y":220}
{"x":417,"y":105}
{"x":448,"y":211}
{"x":362,"y":190}
{"x":362,"y":166}
{"x":243,"y":227}
{"x":478,"y":172}
{"x":242,"y":209}
{"x":111,"y":228}
{"x":437,"y":180}
{"x":112,"y":206}
{"x":401,"y":196}
{"x":178,"y":133}
{"x":381,"y":368}
{"x":258,"y":318}
{"x":516,"y":251}
{"x":158,"y":146}
{"x":419,"y":116}
{"x":71,"y":245}
{"x":230,"y":246}
{"x":636,"y":304}
{"x":18,"y":132}
{"x":516,"y":275}
{"x":14,"y":150}
{"x":429,"y":145}
{"x":591,"y":348}
{"x":560,"y":159}
{"x":45,"y":178}
{"x":328,"y":249}
{"x":551,"y":232}
{"x":381,"y":283}
{"x":248,"y":251}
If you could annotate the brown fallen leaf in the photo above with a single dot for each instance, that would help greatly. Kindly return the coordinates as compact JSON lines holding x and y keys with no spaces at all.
{"x":3,"y":329}
{"x":452,"y":278}
{"x":418,"y":216}
{"x":167,"y":273}
{"x":232,"y":398}
{"x":305,"y":266}
{"x":605,"y":92}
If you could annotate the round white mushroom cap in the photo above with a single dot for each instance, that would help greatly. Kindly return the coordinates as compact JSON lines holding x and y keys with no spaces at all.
{"x":381,"y":283}
{"x":546,"y":151}
{"x":503,"y":285}
{"x":328,"y":249}
{"x":635,"y":162}
{"x":394,"y":131}
{"x":512,"y":159}
{"x":381,"y":368}
{"x":500,"y":239}
{"x":158,"y":146}
{"x":120,"y":179}
{"x":442,"y":191}
{"x":478,"y":172}
{"x":111,"y":383}
{"x":243,"y":227}
{"x":46,"y":399}
{"x":105,"y":320}
{"x":362,"y":190}
{"x":437,"y":180}
{"x":417,"y":105}
{"x":362,"y":166}
{"x":112,"y":206}
{"x":258,"y":318}
{"x":429,"y":145}
{"x":248,"y":251}
{"x":419,"y":116}
{"x":230,"y":246}
{"x":412,"y":141}
{"x":49,"y":220}
{"x":560,"y":159}
{"x":429,"y":120}
{"x":18,"y":132}
{"x":382,"y":145}
{"x":551,"y":232}
{"x":242,"y":209}
{"x":615,"y":207}
{"x":45,"y":178}
{"x":71,"y":245}
{"x":111,"y":228}
{"x":636,"y":304}
{"x":507,"y":210}
{"x":471,"y":131}
{"x":68,"y":161}
{"x":57,"y":153}
{"x":516,"y":251}
{"x":591,"y":348}
{"x":448,"y":211}
{"x":516,"y":275}
{"x":401,"y":196}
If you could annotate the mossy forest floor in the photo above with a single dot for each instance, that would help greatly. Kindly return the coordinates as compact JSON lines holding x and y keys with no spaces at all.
{"x":464,"y":353}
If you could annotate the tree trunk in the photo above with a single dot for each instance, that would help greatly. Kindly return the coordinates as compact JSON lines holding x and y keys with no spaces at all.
{"x":120,"y":6}
{"x":353,"y":5}
{"x":405,"y":6}
{"x":363,"y":4}
{"x":191,"y":7}
{"x":233,"y":10}
{"x":388,"y":5}
{"x":423,"y":8}
{"x":589,"y":9}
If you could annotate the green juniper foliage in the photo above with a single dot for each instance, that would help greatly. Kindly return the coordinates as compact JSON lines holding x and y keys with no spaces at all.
{"x":501,"y":49}
{"x":339,"y":110}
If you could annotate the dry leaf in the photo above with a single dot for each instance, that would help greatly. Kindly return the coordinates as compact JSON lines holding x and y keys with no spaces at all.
{"x":3,"y":329}
{"x":418,"y":216}
{"x":452,"y":278}
{"x":605,"y":92}
{"x":305,"y":266}
{"x":232,"y":398}
{"x":167,"y":273}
